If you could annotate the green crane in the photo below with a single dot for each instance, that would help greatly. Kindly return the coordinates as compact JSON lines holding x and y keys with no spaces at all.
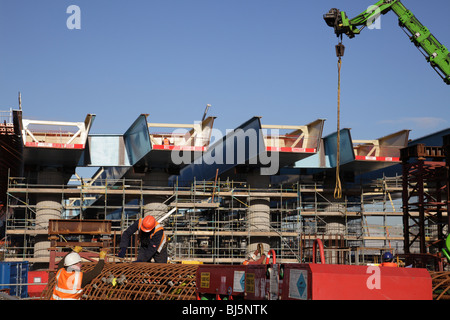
{"x":436,"y":54}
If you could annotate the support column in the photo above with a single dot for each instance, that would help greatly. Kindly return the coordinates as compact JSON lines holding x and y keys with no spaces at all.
{"x":258,"y":214}
{"x":335,"y":226}
{"x":48,"y":206}
{"x":258,"y":220}
{"x":154,"y":205}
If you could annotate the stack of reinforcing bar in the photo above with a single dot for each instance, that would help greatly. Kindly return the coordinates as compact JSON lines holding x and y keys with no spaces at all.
{"x":441,"y":285}
{"x":138,"y":281}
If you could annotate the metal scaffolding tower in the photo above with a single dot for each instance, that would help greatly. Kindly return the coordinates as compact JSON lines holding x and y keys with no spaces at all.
{"x":426,"y":191}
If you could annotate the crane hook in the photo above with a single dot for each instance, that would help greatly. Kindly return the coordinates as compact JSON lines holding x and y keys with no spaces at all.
{"x":340,"y":48}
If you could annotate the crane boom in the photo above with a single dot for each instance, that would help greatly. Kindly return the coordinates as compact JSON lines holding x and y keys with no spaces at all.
{"x":435,"y":53}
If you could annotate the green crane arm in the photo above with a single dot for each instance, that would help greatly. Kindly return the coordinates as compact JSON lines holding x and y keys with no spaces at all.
{"x":435,"y":53}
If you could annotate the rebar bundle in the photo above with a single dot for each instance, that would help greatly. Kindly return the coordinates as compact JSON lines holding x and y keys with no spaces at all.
{"x":441,"y":285}
{"x":138,"y":281}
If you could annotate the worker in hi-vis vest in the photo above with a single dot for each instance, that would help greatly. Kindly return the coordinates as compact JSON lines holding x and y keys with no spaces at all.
{"x":152,"y":240}
{"x":70,"y":280}
{"x":388,"y":260}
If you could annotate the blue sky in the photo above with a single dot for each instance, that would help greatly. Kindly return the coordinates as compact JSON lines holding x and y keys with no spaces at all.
{"x":273,"y":59}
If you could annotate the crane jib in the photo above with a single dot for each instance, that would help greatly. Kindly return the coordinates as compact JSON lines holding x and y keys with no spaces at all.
{"x":435,"y":53}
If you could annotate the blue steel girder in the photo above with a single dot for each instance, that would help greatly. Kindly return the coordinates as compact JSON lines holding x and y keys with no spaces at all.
{"x":241,"y":146}
{"x":357,"y":157}
{"x":138,"y":151}
{"x":248,"y":148}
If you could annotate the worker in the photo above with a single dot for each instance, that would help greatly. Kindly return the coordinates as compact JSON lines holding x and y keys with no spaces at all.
{"x":388,"y":260}
{"x":70,"y":281}
{"x":257,"y":257}
{"x":152,"y":240}
{"x":166,"y":141}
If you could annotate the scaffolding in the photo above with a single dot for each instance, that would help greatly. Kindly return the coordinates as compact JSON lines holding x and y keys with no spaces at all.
{"x":426,"y":191}
{"x":209,"y":220}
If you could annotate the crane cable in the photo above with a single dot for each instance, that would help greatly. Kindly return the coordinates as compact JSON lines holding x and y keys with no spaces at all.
{"x":338,"y":188}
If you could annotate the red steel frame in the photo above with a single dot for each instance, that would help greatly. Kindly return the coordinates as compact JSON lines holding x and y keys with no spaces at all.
{"x":428,"y":182}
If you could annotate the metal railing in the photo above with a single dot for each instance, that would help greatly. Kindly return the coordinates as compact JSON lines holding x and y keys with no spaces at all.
{"x":6,"y":117}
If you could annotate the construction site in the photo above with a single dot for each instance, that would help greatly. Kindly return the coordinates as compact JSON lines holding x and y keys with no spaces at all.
{"x":241,"y":211}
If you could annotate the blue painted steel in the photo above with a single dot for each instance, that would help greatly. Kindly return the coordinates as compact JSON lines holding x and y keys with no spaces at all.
{"x":243,"y":145}
{"x":326,"y":157}
{"x":12,"y":275}
{"x":106,"y":151}
{"x":346,"y":148}
{"x":431,"y":140}
{"x":137,"y":140}
{"x":110,"y":175}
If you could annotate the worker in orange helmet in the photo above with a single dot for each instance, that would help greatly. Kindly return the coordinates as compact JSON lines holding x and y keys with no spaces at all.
{"x":70,"y":280}
{"x":152,"y":240}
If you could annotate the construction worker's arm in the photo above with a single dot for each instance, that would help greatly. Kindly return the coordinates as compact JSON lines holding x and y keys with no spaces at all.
{"x":90,"y":275}
{"x":150,"y":250}
{"x":126,"y":237}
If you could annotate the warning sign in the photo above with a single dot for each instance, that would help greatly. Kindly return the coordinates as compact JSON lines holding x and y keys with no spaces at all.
{"x":250,"y":283}
{"x":204,"y":279}
{"x":298,"y":284}
{"x":239,"y":281}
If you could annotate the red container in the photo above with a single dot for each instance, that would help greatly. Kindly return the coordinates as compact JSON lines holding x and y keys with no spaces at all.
{"x":35,"y":290}
{"x":249,"y":282}
{"x":221,"y":280}
{"x":257,"y":284}
{"x":349,"y":282}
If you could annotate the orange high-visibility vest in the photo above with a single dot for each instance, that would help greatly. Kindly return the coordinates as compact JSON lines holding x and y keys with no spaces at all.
{"x":68,"y":285}
{"x":388,"y":264}
{"x":157,"y":228}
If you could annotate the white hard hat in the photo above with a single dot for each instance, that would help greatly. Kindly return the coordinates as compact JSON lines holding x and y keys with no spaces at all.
{"x":71,"y":259}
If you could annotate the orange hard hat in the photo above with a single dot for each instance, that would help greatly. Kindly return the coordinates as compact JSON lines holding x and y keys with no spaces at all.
{"x":148,"y":223}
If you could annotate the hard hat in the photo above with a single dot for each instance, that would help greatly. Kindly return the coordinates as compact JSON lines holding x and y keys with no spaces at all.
{"x":71,"y":259}
{"x":148,"y":223}
{"x":387,"y":256}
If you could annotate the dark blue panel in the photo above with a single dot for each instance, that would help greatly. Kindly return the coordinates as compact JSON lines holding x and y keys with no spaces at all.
{"x":243,"y":145}
{"x":346,"y":147}
{"x":431,"y":140}
{"x":110,"y":175}
{"x":137,"y":140}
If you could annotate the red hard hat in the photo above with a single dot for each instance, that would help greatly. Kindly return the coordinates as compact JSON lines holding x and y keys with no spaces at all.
{"x":148,"y":223}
